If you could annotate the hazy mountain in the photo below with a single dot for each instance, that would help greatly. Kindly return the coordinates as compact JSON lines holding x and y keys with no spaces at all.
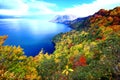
{"x":63,"y":18}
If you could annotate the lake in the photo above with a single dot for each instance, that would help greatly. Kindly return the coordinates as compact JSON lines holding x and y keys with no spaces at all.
{"x":31,"y":34}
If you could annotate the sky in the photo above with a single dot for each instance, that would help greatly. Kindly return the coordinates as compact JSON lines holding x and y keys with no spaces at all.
{"x":80,"y":8}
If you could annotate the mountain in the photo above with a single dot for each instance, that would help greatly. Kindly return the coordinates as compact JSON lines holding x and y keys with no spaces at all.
{"x":93,"y":46}
{"x":63,"y":18}
{"x":76,"y":22}
{"x":101,"y":18}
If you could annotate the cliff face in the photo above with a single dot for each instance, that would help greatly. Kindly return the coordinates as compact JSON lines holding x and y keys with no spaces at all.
{"x":63,"y":18}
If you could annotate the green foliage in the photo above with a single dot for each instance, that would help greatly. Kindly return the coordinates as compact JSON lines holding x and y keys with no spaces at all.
{"x":14,"y":64}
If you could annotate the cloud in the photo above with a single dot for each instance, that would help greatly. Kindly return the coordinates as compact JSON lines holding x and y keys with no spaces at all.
{"x":13,"y":7}
{"x":89,"y":9}
{"x":12,"y":4}
{"x":40,"y":7}
{"x":25,"y":7}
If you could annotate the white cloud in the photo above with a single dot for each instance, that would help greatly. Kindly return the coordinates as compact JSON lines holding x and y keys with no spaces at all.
{"x":19,"y":7}
{"x":36,"y":8}
{"x":41,"y":8}
{"x":13,"y":7}
{"x":89,"y":9}
{"x":13,"y":4}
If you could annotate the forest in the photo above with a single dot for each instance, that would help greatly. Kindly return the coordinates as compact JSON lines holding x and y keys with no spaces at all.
{"x":89,"y":52}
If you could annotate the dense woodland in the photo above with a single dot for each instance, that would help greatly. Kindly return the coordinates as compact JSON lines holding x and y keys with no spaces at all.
{"x":89,"y":52}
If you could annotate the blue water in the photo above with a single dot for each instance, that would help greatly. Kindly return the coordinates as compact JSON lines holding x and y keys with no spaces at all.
{"x":31,"y":34}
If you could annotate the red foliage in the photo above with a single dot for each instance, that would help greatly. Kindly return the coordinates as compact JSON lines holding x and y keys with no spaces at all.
{"x":98,"y":38}
{"x":97,"y":16}
{"x":116,"y":20}
{"x":81,"y":62}
{"x":102,"y":38}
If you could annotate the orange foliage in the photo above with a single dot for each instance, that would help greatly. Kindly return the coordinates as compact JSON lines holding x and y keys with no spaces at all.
{"x":70,"y":45}
{"x":103,"y":38}
{"x":110,"y":19}
{"x":115,"y":28}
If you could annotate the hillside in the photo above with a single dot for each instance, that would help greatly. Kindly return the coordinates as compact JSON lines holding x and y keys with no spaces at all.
{"x":100,"y":18}
{"x":88,"y":53}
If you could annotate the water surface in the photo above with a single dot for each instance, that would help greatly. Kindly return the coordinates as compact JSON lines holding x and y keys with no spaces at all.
{"x":31,"y":34}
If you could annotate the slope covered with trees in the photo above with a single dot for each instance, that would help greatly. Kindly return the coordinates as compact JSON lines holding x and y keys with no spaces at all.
{"x":100,"y":18}
{"x":90,"y":53}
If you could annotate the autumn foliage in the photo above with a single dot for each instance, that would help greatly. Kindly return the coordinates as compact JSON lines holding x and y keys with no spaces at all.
{"x":81,"y":62}
{"x":90,"y":52}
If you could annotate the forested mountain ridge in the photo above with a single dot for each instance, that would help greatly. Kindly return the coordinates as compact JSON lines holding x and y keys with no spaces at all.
{"x":101,"y":18}
{"x":90,"y":53}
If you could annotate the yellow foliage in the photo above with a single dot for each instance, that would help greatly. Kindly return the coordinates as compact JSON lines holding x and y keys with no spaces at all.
{"x":76,"y":52}
{"x":22,"y":57}
{"x":93,"y":43}
{"x":57,"y":60}
{"x":67,"y":70}
{"x":86,"y":48}
{"x":83,"y":33}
